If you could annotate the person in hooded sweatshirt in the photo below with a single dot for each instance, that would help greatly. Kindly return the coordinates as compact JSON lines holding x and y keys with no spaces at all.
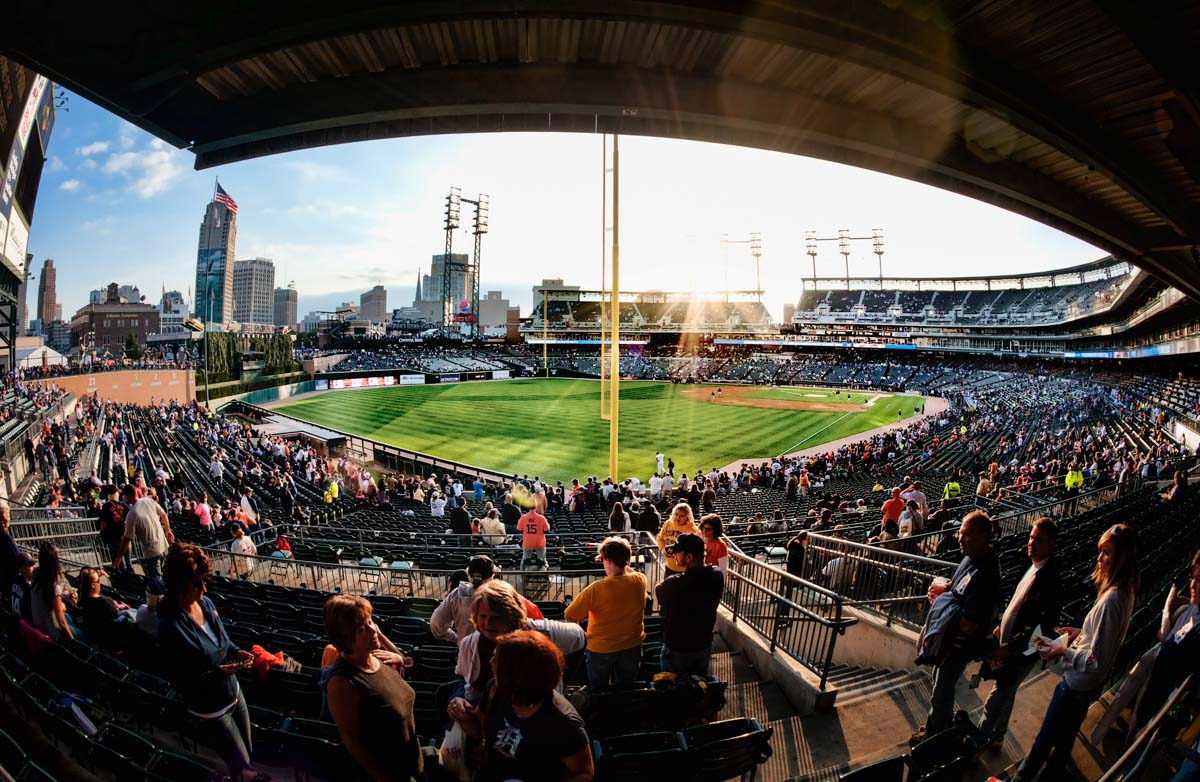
{"x":451,"y":620}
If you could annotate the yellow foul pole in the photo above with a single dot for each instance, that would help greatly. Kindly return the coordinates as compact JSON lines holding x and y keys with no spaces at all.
{"x":603,"y":269}
{"x":614,"y":428}
{"x":545,"y":336}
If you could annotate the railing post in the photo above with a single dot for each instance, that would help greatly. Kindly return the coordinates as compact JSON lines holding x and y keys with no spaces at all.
{"x":737,"y":595}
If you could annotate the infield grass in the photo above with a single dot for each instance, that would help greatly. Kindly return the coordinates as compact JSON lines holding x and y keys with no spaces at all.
{"x":551,"y":427}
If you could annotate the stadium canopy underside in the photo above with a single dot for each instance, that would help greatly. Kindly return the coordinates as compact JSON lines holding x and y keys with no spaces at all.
{"x":1083,"y":114}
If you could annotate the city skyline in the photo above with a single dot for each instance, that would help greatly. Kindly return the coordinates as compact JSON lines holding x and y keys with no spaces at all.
{"x":117,"y":203}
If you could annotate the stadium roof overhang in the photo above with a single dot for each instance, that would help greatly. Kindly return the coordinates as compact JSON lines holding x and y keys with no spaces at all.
{"x":1083,"y":114}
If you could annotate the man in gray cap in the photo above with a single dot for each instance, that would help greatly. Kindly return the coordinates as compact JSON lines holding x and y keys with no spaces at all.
{"x":688,"y":601}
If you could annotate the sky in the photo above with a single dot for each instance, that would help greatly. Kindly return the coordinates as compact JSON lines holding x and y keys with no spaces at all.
{"x":118,"y":205}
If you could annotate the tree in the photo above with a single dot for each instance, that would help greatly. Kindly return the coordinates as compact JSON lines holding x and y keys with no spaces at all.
{"x":133,"y":349}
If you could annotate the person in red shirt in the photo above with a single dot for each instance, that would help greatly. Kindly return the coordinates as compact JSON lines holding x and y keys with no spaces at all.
{"x":716,"y":553}
{"x":533,"y":528}
{"x":893,"y":508}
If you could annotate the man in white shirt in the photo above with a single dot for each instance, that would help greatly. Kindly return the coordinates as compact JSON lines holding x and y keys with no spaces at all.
{"x":148,"y":524}
{"x":658,"y":458}
{"x":656,"y":487}
{"x":915,"y":493}
{"x":1037,"y":601}
{"x":668,"y":483}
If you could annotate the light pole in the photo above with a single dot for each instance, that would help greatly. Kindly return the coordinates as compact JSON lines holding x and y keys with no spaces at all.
{"x":877,"y":241}
{"x":810,"y":247}
{"x":756,"y":251}
{"x":844,"y":249}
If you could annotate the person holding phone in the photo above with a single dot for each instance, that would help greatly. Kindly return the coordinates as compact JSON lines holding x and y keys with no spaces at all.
{"x":201,"y":661}
{"x":1088,"y":654}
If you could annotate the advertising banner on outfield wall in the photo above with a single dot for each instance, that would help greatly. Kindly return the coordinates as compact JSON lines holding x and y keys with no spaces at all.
{"x":450,"y":378}
{"x":412,"y":380}
{"x":501,"y":374}
{"x":322,"y":385}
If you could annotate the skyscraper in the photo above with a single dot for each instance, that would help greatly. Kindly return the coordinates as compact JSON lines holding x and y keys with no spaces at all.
{"x":214,"y":263}
{"x":373,"y":305}
{"x":253,"y":291}
{"x":46,"y":293}
{"x":285,"y":306}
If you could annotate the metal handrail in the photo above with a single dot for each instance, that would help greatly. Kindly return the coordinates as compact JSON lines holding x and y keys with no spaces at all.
{"x":1141,"y":748}
{"x":796,"y":607}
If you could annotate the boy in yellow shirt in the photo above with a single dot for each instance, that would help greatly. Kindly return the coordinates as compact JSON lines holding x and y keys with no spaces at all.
{"x":614,"y":607}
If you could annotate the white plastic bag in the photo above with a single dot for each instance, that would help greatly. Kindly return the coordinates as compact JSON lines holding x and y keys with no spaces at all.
{"x":452,"y":755}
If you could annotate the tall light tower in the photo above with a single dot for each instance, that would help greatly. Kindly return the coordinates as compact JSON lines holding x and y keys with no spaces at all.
{"x":844,"y":249}
{"x":810,"y":247}
{"x":452,"y":312}
{"x":877,"y":248}
{"x":756,"y":251}
{"x":451,"y":223}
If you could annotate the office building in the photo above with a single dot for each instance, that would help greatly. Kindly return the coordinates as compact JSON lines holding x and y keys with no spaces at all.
{"x":172,"y":312}
{"x":47,"y":292}
{"x":254,"y":291}
{"x":214,"y":263}
{"x":285,"y":307}
{"x":373,"y":305}
{"x":105,"y":327}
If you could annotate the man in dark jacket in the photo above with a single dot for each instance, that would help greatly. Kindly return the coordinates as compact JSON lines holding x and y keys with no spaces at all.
{"x":1037,"y":601}
{"x":976,"y":589}
{"x":688,"y":601}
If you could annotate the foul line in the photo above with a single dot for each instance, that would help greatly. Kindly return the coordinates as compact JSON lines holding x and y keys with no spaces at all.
{"x":814,"y":434}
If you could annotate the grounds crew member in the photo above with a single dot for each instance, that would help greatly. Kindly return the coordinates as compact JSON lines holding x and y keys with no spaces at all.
{"x":951,"y":492}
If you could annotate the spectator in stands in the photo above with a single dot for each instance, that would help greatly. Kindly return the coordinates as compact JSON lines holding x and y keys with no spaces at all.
{"x":1036,"y":602}
{"x":10,"y":554}
{"x":1088,"y":654}
{"x":966,"y":609}
{"x":101,"y":615}
{"x":369,"y":701}
{"x":1179,"y":488}
{"x":648,"y":519}
{"x":201,"y":662}
{"x":112,"y":523}
{"x":941,"y":517}
{"x":451,"y":620}
{"x":618,"y":519}
{"x":49,"y":595}
{"x":688,"y":601}
{"x":914,"y":493}
{"x":460,"y":521}
{"x":533,"y":528}
{"x":497,"y":609}
{"x":910,"y":522}
{"x":716,"y":553}
{"x":491,"y":529}
{"x":1178,"y":653}
{"x":682,"y":521}
{"x":147,"y":523}
{"x":510,"y":514}
{"x":529,"y":730}
{"x":242,"y":551}
{"x":20,"y":588}
{"x":892,"y":507}
{"x":984,"y":487}
{"x":614,"y":608}
{"x":952,"y":490}
{"x":796,"y":553}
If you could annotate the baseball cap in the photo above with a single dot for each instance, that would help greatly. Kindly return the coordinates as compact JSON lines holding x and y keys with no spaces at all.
{"x":687,"y":543}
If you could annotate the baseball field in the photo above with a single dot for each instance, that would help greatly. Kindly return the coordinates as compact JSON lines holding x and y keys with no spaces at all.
{"x":551,"y":427}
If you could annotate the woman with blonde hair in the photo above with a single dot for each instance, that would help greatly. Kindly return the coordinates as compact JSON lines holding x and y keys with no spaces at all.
{"x":1088,"y":654}
{"x":680,"y":521}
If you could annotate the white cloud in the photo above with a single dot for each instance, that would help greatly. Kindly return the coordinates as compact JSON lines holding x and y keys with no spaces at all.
{"x":127,"y":135}
{"x":95,"y":148}
{"x":55,"y":164}
{"x":70,"y":185}
{"x":151,"y":171}
{"x":314,"y":172}
{"x":100,"y":225}
{"x":88,"y":164}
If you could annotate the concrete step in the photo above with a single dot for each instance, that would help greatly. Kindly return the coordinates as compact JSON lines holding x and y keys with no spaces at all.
{"x":733,"y":668}
{"x":904,"y":684}
{"x":764,"y":701}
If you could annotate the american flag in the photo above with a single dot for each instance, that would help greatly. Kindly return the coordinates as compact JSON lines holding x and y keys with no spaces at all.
{"x":224,"y":198}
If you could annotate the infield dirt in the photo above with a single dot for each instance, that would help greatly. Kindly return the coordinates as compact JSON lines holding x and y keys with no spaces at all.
{"x":741,"y":397}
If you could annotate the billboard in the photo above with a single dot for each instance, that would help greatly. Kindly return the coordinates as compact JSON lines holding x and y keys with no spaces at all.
{"x":462,"y":312}
{"x":501,"y":374}
{"x":412,"y":380}
{"x":338,"y":383}
{"x":39,"y":97}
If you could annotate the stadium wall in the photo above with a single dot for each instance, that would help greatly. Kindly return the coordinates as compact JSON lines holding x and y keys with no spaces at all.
{"x":135,"y":386}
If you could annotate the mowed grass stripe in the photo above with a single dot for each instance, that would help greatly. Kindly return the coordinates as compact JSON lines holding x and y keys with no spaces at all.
{"x":552,"y":428}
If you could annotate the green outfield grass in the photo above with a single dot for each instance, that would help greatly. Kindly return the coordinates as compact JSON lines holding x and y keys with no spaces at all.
{"x":552,"y":428}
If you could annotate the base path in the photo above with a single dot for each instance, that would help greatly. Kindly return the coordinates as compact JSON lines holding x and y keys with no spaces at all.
{"x":741,"y":396}
{"x":934,"y":405}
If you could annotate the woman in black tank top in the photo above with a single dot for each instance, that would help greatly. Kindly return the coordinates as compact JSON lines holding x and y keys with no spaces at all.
{"x":370,"y":702}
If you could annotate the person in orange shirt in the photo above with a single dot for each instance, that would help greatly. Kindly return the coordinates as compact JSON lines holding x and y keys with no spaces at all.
{"x":614,"y":608}
{"x":894,"y":507}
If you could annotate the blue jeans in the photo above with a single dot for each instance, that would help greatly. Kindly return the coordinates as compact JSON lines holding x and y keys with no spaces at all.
{"x":941,"y":702}
{"x":618,"y":669}
{"x":1188,"y":772}
{"x":229,"y":736}
{"x":1052,"y":748}
{"x":999,"y":706}
{"x":152,"y":567}
{"x":685,"y":663}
